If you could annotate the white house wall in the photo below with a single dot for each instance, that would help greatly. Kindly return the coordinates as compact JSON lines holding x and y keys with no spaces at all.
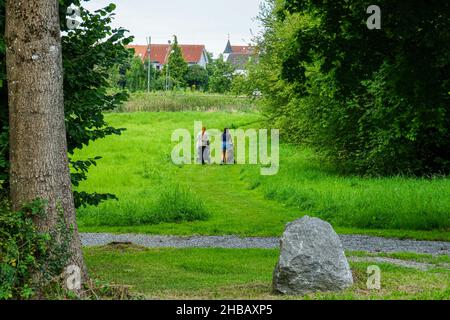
{"x":203,"y":60}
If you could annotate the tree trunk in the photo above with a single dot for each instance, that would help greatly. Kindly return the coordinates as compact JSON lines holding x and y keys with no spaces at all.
{"x":38,"y":145}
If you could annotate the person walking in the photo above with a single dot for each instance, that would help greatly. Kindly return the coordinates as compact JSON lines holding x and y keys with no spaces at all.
{"x":203,"y":146}
{"x":226,"y":145}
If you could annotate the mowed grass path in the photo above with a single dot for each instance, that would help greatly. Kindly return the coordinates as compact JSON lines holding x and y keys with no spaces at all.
{"x":137,"y":167}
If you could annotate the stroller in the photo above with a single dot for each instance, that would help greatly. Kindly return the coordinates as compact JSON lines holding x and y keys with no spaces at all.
{"x":230,"y":154}
{"x":206,"y":155}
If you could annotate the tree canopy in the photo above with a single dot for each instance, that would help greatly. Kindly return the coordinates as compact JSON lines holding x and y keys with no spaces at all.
{"x":89,"y":51}
{"x":178,"y":67}
{"x":372,"y":101}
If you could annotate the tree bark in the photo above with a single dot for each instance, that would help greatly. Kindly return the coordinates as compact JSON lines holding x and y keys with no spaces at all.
{"x":38,"y":146}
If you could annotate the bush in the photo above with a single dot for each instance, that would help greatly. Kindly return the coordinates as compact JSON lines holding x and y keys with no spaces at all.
{"x":197,"y":77}
{"x":25,"y":252}
{"x":373,"y":101}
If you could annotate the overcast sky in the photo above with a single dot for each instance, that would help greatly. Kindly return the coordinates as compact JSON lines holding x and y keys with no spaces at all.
{"x":205,"y":22}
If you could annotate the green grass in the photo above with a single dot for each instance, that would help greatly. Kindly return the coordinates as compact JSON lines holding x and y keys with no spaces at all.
{"x":137,"y":166}
{"x":185,"y":101}
{"x":173,"y":203}
{"x":241,"y":274}
{"x":307,"y":184}
{"x":236,"y":199}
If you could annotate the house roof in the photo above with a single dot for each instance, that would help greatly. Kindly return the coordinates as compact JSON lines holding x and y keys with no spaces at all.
{"x":160,"y":52}
{"x":192,"y":53}
{"x":243,"y":49}
{"x":139,"y":51}
{"x":239,"y":56}
{"x":238,"y":60}
{"x":228,"y":48}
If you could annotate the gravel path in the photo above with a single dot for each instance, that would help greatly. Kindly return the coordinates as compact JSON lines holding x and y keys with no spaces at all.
{"x":350,"y":243}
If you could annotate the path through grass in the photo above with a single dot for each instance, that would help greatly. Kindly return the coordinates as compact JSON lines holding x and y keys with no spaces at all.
{"x":137,"y":168}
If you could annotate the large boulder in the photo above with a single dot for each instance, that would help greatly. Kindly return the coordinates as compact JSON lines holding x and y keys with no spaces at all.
{"x":312,"y":259}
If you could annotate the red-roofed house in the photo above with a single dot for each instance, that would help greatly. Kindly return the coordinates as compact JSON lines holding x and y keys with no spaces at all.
{"x":159,"y":54}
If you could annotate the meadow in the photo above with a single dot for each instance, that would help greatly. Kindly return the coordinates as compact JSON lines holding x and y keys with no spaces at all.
{"x":157,"y":197}
{"x":182,"y":101}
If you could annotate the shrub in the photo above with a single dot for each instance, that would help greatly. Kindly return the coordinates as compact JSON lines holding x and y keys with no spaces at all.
{"x":26,"y":252}
{"x":197,"y":77}
{"x":373,"y":102}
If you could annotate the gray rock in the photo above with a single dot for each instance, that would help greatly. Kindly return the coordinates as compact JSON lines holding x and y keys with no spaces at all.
{"x":312,"y":259}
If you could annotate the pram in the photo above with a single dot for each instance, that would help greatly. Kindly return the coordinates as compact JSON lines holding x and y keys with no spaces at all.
{"x":230,"y":154}
{"x":206,"y":155}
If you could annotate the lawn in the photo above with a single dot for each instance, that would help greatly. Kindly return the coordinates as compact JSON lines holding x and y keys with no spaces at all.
{"x":245,"y":274}
{"x":157,"y":197}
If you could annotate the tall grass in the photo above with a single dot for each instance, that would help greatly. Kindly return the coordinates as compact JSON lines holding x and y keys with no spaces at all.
{"x":185,"y":101}
{"x":176,"y":204}
{"x":173,"y":204}
{"x":350,"y":201}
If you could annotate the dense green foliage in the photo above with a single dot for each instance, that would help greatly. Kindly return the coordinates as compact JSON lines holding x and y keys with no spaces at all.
{"x":197,"y":78}
{"x":133,"y":75}
{"x":136,"y":75}
{"x":28,"y":258}
{"x":373,"y":101}
{"x":221,"y":75}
